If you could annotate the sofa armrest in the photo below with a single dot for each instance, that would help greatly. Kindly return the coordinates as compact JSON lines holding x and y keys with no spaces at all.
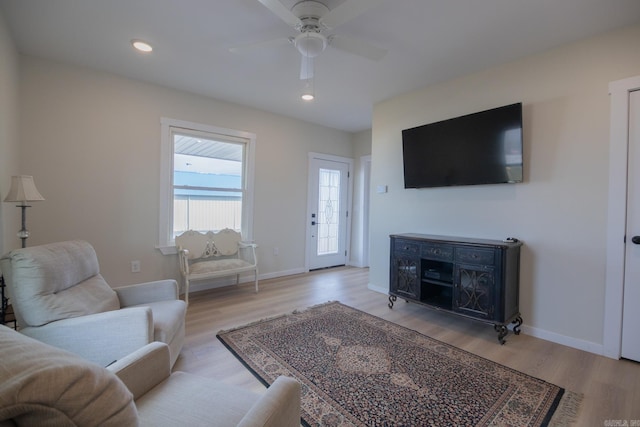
{"x":99,"y":337}
{"x":142,"y":293}
{"x":143,"y":369}
{"x":278,"y":407}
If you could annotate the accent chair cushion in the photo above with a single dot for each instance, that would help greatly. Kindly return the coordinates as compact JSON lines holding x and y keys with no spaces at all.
{"x":214,"y":266}
{"x":56,"y":281}
{"x":44,"y":386}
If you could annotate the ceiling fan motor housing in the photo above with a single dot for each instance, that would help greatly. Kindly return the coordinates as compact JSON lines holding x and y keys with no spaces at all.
{"x":310,"y":42}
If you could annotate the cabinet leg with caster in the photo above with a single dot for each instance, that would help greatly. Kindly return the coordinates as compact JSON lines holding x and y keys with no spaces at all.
{"x":502,"y":332}
{"x":392,"y":299}
{"x":517,"y":323}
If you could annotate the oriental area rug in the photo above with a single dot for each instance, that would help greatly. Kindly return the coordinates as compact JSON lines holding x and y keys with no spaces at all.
{"x":360,"y":370}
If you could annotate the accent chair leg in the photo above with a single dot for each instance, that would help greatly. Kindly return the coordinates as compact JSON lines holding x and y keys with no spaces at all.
{"x":186,"y":291}
{"x":256,"y":275}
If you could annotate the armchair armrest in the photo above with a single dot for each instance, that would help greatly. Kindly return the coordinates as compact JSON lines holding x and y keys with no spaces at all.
{"x":143,"y":369}
{"x":142,"y":293}
{"x":98,"y":337}
{"x":278,"y":407}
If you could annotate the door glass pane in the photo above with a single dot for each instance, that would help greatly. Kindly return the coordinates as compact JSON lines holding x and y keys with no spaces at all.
{"x":328,"y":210}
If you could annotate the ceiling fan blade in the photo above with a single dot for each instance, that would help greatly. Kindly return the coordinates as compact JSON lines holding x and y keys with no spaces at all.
{"x":306,"y":68}
{"x":347,"y":11}
{"x":282,"y":12}
{"x":357,"y":47}
{"x":247,"y":47}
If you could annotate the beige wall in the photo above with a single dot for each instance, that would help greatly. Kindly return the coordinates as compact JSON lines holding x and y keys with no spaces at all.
{"x":92,"y":141}
{"x":559,"y":211}
{"x":9,"y":214}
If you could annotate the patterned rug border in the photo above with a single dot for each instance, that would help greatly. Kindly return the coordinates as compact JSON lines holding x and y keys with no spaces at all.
{"x":563,"y":412}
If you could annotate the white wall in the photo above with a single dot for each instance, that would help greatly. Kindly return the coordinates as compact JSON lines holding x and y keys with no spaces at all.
{"x":559,"y":211}
{"x":9,"y":214}
{"x":92,"y":141}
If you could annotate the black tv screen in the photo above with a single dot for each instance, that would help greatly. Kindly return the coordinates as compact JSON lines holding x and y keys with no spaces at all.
{"x":479,"y":148}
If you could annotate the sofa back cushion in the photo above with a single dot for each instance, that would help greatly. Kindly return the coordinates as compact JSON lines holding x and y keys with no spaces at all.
{"x":56,"y":281}
{"x":42,"y":385}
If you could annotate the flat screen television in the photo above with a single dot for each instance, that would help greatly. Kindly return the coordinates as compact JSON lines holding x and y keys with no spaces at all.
{"x":478,"y":148}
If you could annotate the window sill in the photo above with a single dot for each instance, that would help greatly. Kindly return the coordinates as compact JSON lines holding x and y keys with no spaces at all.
{"x":167,"y":250}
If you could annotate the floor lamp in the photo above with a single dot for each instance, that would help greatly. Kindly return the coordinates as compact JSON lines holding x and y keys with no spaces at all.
{"x":23,"y":190}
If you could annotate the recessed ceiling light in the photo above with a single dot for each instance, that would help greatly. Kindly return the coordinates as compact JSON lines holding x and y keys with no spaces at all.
{"x":307,"y":97}
{"x":141,"y":46}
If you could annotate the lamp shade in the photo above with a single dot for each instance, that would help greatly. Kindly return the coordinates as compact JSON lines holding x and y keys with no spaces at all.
{"x":23,"y":189}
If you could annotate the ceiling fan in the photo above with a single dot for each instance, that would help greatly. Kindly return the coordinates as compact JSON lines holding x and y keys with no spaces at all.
{"x":313,"y":19}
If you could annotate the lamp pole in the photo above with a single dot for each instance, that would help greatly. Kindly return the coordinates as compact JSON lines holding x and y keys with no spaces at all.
{"x":24,"y":233}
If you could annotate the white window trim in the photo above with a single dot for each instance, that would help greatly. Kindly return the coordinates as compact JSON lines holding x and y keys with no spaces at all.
{"x":166,"y":244}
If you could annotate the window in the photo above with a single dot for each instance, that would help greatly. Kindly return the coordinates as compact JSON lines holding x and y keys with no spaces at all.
{"x":207,"y":180}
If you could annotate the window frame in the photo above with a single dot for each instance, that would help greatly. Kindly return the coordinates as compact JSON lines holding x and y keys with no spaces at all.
{"x":166,"y":242}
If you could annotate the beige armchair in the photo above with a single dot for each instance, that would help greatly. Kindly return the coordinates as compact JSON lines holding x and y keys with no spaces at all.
{"x":60,"y":298}
{"x":42,"y":385}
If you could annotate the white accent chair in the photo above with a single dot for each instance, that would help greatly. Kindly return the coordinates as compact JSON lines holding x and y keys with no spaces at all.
{"x":44,"y":386}
{"x":59,"y":297}
{"x":213,"y":255}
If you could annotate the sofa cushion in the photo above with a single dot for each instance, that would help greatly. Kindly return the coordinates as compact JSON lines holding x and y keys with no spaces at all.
{"x":57,"y":281}
{"x":45,"y":386}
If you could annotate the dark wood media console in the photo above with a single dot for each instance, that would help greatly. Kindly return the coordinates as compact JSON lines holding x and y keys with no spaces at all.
{"x":474,"y":278}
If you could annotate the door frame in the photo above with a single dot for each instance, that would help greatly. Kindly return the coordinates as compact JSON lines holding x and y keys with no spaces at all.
{"x":617,"y":213}
{"x":365,"y":165}
{"x":319,"y":156}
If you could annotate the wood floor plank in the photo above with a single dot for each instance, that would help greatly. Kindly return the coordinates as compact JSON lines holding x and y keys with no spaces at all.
{"x":611,"y":388}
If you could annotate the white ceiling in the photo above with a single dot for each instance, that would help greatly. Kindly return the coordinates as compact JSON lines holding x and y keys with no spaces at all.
{"x":428,"y":41}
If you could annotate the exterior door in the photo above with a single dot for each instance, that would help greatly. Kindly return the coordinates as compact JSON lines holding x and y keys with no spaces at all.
{"x":327,"y":223}
{"x":631,"y":314}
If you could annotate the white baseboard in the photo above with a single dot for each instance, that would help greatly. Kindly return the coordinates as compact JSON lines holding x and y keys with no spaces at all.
{"x":228,"y":281}
{"x":378,"y":289}
{"x":577,"y":343}
{"x":282,"y":273}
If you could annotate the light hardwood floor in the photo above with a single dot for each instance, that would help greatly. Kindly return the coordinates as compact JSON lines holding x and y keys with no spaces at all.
{"x":611,"y":388}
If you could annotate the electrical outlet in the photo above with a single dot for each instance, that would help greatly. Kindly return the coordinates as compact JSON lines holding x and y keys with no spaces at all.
{"x":276,"y":251}
{"x":135,"y":266}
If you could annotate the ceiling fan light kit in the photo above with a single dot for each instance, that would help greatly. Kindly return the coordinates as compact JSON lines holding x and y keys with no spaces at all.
{"x":310,"y":44}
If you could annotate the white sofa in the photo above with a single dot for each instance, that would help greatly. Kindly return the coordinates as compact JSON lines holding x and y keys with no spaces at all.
{"x":60,"y":297}
{"x":44,"y":386}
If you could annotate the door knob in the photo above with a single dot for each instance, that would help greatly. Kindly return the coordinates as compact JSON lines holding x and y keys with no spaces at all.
{"x":635,"y":240}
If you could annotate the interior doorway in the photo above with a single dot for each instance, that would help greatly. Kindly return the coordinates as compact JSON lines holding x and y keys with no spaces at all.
{"x":621,"y":335}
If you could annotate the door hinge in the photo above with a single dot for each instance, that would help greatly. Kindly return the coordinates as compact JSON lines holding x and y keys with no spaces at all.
{"x":347,"y":214}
